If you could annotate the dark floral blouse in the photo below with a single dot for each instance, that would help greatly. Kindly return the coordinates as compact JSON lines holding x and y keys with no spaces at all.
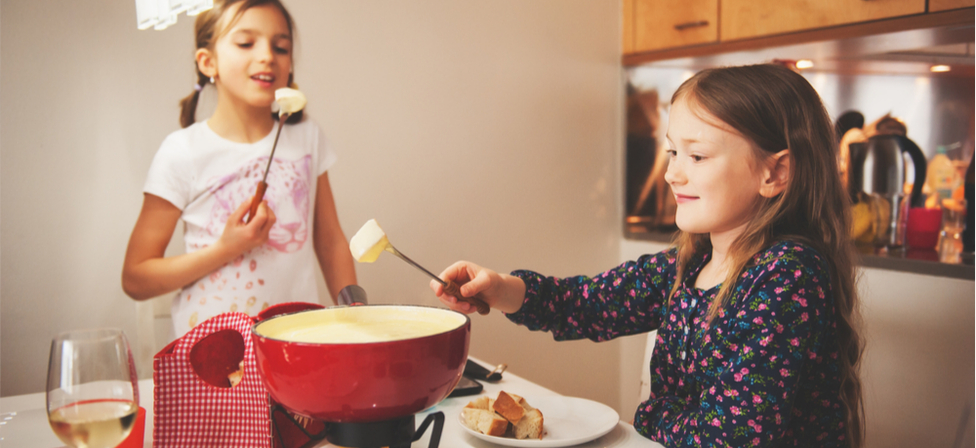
{"x":764,"y":373}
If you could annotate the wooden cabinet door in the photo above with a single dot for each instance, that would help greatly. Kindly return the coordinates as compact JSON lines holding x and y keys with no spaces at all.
{"x":945,"y":5}
{"x":628,"y":26}
{"x":660,"y":24}
{"x":743,"y":19}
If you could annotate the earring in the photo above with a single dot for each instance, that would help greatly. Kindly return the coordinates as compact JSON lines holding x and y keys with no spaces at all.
{"x":211,"y":80}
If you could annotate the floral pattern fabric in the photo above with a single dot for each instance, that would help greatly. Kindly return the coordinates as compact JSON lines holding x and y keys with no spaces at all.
{"x":765,"y":372}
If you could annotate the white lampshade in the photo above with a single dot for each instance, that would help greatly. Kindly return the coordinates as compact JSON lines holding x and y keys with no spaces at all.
{"x":160,"y":14}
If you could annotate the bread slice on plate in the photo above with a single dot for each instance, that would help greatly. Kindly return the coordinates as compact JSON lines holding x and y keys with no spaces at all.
{"x":508,"y":415}
{"x":482,"y":402}
{"x":529,"y":426}
{"x":508,"y":406}
{"x":485,"y":421}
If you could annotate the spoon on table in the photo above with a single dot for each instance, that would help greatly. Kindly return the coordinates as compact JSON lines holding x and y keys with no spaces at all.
{"x":289,"y":101}
{"x":370,"y":241}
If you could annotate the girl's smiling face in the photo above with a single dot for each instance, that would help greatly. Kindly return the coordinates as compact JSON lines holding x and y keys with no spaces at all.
{"x":253,"y":58}
{"x":713,"y":172}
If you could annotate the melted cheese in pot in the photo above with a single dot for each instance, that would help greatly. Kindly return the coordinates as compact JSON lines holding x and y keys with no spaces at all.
{"x":361,"y":332}
{"x":356,"y":325}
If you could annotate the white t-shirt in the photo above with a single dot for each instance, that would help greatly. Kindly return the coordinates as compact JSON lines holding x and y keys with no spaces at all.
{"x":208,"y":177}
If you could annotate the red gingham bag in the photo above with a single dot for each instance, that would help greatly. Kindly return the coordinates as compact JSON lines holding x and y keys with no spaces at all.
{"x":193,"y":404}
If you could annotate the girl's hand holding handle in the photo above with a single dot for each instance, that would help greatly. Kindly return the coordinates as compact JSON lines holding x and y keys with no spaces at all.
{"x":240,"y":236}
{"x":500,"y":291}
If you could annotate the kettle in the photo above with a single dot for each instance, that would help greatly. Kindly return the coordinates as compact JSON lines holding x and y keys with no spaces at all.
{"x":877,"y":168}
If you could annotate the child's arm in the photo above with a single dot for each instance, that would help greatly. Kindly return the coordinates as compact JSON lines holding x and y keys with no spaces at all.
{"x":146,"y":273}
{"x":628,"y":299}
{"x":331,"y":246}
{"x":624,"y":300}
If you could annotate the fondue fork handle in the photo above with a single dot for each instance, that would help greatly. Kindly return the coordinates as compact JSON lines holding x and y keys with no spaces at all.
{"x":450,"y":287}
{"x":453,"y":289}
{"x":258,"y":197}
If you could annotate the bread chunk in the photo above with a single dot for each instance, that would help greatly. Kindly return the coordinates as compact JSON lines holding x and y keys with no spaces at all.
{"x":529,"y":426}
{"x":509,"y":415}
{"x":482,"y":402}
{"x":485,"y":421}
{"x":508,"y":407}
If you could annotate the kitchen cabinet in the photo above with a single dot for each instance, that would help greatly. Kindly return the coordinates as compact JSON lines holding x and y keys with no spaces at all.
{"x":658,"y":24}
{"x":743,"y":19}
{"x":659,"y":29}
{"x":945,"y":5}
{"x":628,"y":26}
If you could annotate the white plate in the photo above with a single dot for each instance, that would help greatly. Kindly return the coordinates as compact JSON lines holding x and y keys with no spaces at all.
{"x":566,"y":421}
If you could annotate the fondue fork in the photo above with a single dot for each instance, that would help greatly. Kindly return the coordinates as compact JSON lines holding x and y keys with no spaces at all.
{"x":290,"y":101}
{"x":263,"y":185}
{"x":450,"y":287}
{"x":370,"y":240}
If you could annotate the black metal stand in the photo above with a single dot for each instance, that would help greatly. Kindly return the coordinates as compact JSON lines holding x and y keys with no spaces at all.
{"x":435,"y":434}
{"x":395,"y":433}
{"x":379,"y":434}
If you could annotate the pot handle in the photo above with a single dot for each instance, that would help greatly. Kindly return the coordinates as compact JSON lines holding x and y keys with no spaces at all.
{"x":285,"y":308}
{"x":352,"y":295}
{"x":921,"y":168}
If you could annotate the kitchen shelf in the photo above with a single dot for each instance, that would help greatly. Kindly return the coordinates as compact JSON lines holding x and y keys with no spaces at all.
{"x":911,"y":261}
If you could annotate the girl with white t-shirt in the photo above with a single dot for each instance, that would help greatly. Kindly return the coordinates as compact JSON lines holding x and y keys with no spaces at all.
{"x":207,"y":173}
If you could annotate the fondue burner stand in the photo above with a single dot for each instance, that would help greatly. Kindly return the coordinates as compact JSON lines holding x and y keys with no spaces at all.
{"x":394,"y":433}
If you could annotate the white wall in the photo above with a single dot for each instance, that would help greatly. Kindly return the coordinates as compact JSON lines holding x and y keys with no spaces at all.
{"x":488,"y":131}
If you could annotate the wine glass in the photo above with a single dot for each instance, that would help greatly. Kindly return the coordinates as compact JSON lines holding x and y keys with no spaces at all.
{"x":92,"y":394}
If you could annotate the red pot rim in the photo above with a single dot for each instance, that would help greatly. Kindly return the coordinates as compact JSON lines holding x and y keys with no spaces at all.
{"x":254,"y":327}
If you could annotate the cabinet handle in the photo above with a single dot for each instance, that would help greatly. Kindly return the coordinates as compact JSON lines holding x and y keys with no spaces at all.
{"x":686,"y":25}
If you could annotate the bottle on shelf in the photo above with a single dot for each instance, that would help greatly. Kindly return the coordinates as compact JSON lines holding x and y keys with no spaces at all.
{"x":967,"y":233}
{"x":941,"y":175}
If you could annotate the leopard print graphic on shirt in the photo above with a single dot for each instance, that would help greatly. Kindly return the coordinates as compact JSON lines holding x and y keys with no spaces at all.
{"x":289,"y":196}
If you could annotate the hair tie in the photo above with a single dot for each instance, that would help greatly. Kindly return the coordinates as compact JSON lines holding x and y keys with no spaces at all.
{"x":198,"y":87}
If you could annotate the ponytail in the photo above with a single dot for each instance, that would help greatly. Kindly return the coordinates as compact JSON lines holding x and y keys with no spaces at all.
{"x":188,"y":105}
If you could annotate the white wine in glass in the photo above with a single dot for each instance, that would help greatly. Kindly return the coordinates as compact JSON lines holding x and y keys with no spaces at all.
{"x":92,"y":394}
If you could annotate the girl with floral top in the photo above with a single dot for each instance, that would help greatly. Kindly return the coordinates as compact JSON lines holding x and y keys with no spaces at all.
{"x":755,"y":304}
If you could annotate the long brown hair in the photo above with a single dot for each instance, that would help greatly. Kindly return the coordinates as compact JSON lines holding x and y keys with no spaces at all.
{"x":778,"y":109}
{"x":206,"y":33}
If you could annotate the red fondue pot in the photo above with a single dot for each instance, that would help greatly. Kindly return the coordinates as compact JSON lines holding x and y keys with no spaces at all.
{"x":361,"y":381}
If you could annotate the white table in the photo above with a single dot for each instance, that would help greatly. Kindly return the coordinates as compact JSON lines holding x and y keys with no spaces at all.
{"x":23,"y":420}
{"x":27,"y":425}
